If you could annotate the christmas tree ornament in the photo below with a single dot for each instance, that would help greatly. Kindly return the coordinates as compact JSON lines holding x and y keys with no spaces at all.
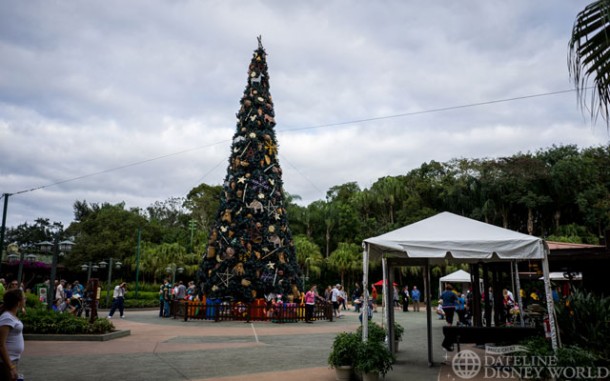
{"x":251,"y":218}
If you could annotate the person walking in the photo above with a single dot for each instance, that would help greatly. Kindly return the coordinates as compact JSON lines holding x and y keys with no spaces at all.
{"x":415,"y":297}
{"x":11,"y":334}
{"x":449,"y":299}
{"x":335,"y":299}
{"x":395,"y":296}
{"x":405,"y":299}
{"x":118,"y":300}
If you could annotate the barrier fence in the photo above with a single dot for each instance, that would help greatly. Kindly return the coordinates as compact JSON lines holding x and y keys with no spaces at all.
{"x":258,"y":310}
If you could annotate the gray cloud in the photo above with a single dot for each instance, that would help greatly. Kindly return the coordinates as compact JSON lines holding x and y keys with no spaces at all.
{"x":89,"y":89}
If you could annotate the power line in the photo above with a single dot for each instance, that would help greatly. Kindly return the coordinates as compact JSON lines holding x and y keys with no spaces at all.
{"x":355,"y":121}
{"x":434,"y":110}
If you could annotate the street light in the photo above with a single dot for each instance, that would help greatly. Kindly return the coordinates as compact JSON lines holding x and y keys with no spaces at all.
{"x":103,"y":265}
{"x":88,"y":267}
{"x":172,"y":269}
{"x":58,"y":248}
{"x":18,"y":253}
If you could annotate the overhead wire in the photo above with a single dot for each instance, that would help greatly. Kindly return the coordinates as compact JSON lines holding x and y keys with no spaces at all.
{"x":355,"y":121}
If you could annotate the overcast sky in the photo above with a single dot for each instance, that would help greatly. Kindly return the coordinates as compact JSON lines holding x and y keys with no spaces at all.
{"x":135,"y":101}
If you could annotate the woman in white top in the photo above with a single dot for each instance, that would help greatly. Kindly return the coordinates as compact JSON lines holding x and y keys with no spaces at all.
{"x":11,"y":334}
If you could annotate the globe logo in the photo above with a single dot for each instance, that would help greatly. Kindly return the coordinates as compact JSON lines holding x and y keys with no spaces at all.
{"x":466,"y":364}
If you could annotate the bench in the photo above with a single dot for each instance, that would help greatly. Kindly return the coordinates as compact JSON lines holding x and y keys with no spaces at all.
{"x":484,"y":335}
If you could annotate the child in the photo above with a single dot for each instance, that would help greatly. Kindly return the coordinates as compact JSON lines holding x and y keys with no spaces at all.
{"x":439,"y":310}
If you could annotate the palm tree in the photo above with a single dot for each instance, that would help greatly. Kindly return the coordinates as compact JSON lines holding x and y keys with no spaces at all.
{"x":589,"y":57}
{"x":309,"y":256}
{"x":345,"y":259}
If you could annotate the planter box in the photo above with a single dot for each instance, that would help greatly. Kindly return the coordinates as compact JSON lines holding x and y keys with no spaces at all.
{"x":93,"y":337}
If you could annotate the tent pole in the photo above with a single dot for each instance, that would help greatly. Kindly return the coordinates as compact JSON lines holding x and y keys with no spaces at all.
{"x":428,"y":309}
{"x":487,"y":295}
{"x":390,"y":304}
{"x":384,"y":288}
{"x":550,"y":305}
{"x":476,"y":295}
{"x":365,"y":293}
{"x":518,"y":291}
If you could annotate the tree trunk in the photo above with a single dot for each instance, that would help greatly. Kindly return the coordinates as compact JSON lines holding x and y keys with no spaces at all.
{"x":530,"y":221}
{"x":327,"y":241}
{"x":556,"y":217}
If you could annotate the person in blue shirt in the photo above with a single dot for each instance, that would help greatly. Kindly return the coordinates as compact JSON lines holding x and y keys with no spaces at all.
{"x":460,"y":309}
{"x":449,"y":299}
{"x":415,"y":296}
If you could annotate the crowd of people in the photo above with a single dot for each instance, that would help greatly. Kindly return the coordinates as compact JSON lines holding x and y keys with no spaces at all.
{"x":178,"y":291}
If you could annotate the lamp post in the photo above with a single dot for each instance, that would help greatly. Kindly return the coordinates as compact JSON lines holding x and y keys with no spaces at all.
{"x":103,"y":265}
{"x":172,"y":269}
{"x":18,"y":253}
{"x":88,"y":267}
{"x":58,"y":248}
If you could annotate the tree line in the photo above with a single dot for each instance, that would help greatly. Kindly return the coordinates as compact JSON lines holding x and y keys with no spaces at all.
{"x":560,"y":193}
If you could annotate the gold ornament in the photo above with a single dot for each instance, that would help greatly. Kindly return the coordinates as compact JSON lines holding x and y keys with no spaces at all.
{"x":270,"y":147}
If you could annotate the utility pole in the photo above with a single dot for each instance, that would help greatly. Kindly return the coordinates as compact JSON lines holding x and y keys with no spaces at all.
{"x":5,"y":195}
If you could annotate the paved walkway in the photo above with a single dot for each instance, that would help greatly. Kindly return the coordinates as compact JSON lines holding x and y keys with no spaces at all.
{"x":172,"y":350}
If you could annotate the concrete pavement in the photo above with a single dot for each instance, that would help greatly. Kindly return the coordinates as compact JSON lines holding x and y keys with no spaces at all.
{"x":172,"y":350}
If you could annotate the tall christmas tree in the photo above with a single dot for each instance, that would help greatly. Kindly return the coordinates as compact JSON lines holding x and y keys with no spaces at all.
{"x":250,"y":252}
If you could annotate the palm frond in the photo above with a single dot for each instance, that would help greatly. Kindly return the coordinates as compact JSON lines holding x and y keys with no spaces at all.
{"x":589,"y":59}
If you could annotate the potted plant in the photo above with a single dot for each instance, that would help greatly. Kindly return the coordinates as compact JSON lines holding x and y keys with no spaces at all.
{"x":373,"y":358}
{"x":376,"y":332}
{"x":399,"y":330}
{"x":343,"y":354}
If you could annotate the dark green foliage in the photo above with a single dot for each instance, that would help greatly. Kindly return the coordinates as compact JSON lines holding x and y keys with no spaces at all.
{"x":250,"y":251}
{"x":50,"y":322}
{"x":142,"y":303}
{"x":344,"y":349}
{"x":583,"y":321}
{"x":373,"y":356}
{"x":399,"y":330}
{"x":568,"y":356}
{"x":376,"y":332}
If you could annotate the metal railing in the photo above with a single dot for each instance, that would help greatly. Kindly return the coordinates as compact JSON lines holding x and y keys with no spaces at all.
{"x":239,"y":311}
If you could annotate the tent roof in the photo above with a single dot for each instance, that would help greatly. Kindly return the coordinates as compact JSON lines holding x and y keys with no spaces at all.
{"x":457,"y":276}
{"x":449,"y":236}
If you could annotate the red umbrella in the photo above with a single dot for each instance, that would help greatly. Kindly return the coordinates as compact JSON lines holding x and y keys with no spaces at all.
{"x":380,"y":283}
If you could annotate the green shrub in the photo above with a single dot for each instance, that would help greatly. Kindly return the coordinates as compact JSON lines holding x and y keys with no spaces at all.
{"x":344,"y":349}
{"x":141,"y":303}
{"x":32,"y":301}
{"x":43,"y":321}
{"x":569,"y":356}
{"x":101,"y":326}
{"x":373,"y":356}
{"x":376,"y":333}
{"x":399,"y":330}
{"x":583,"y":322}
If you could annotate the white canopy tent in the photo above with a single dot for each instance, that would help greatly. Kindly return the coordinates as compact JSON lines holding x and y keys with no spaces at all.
{"x":447,"y":236}
{"x":459,"y":276}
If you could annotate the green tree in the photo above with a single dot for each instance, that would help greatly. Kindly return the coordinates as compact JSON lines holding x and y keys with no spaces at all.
{"x":309,"y":256}
{"x":202,"y":202}
{"x":346,"y":259}
{"x":106,"y":231}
